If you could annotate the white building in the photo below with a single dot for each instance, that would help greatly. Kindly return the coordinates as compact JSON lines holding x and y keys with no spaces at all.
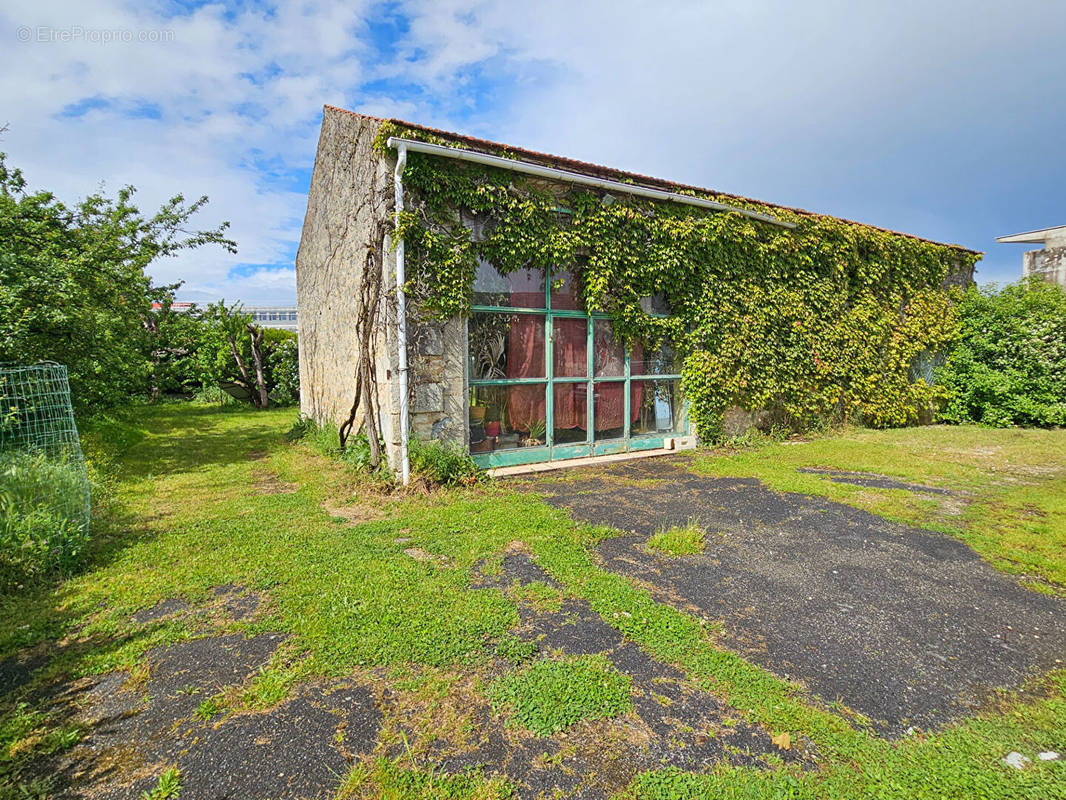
{"x":283,"y":317}
{"x":1047,"y":262}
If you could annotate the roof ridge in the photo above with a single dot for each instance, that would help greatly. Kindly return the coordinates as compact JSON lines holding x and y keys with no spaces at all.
{"x":615,"y":174}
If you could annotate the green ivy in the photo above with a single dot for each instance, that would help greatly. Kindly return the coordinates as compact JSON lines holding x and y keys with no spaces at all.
{"x":824,"y":321}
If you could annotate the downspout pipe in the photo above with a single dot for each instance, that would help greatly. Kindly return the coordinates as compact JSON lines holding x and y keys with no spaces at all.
{"x":401,"y":315}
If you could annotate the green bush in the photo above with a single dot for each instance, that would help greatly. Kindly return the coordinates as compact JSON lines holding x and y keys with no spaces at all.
{"x":446,"y":464}
{"x":44,"y":523}
{"x":281,"y":354}
{"x":1010,"y":366}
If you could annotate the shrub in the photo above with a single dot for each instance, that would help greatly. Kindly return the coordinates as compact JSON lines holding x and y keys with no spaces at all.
{"x":282,"y":366}
{"x":1010,"y":366}
{"x":43,"y":517}
{"x":446,"y":464}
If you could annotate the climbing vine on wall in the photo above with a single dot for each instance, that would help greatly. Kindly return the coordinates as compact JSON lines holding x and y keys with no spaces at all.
{"x":826,"y":321}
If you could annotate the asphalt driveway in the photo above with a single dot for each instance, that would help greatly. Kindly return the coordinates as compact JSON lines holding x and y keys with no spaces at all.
{"x":908,"y":627}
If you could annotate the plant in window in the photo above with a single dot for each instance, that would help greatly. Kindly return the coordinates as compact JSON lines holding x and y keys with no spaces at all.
{"x":536,"y":434}
{"x":488,"y":343}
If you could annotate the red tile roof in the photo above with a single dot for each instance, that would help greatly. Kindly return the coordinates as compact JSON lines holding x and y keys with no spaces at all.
{"x":600,"y":171}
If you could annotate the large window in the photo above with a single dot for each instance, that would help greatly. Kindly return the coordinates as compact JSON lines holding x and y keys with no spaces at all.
{"x":548,"y":381}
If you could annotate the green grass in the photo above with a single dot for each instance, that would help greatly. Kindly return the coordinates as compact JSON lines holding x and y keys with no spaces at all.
{"x":677,"y":540}
{"x":550,"y":695}
{"x":515,"y":650}
{"x":189,"y":514}
{"x":389,"y":779}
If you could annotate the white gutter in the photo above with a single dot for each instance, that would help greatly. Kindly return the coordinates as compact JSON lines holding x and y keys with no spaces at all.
{"x":401,"y":313}
{"x":402,"y":145}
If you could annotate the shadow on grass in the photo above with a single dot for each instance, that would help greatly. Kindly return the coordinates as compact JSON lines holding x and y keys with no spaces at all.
{"x":172,"y":438}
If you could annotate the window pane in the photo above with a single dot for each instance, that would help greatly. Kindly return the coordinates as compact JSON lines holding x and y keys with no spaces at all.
{"x":609,"y":356}
{"x":659,"y":361}
{"x":570,"y":347}
{"x":564,"y":292}
{"x":506,"y":417}
{"x":506,"y":346}
{"x":609,"y":399}
{"x":657,"y":407}
{"x":656,"y":304}
{"x":570,"y":413}
{"x":522,"y":288}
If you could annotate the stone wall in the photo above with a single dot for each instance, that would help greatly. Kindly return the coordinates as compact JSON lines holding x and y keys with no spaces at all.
{"x":1048,"y":264}
{"x":351,"y":189}
{"x":351,"y":192}
{"x":437,"y":361}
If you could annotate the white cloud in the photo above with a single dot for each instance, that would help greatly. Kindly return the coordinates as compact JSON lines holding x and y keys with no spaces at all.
{"x":939,"y":118}
{"x":936,"y":118}
{"x":237,"y":96}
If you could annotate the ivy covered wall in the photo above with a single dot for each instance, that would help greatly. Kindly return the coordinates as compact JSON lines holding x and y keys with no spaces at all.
{"x":831,"y":320}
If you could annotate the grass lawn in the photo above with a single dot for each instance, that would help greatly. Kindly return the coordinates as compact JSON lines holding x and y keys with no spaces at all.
{"x":380,"y":588}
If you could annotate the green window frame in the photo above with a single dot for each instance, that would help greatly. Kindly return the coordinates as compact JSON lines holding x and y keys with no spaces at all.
{"x":551,"y":450}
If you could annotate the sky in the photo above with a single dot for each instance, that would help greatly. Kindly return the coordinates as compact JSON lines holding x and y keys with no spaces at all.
{"x":940,"y":118}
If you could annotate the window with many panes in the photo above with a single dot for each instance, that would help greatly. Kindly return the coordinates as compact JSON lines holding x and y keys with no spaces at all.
{"x":549,"y":381}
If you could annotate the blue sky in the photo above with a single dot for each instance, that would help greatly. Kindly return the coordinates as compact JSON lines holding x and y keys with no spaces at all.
{"x":942,"y":119}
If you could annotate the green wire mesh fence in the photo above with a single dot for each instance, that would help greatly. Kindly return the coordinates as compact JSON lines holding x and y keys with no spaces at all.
{"x":44,"y":482}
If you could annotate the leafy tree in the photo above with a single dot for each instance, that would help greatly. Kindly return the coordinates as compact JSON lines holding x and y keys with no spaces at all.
{"x":260,"y":361}
{"x":175,"y":340}
{"x":1010,"y":365}
{"x":73,"y":287}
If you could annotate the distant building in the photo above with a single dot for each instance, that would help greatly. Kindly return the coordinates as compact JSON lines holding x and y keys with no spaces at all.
{"x":283,"y":317}
{"x":1048,"y":262}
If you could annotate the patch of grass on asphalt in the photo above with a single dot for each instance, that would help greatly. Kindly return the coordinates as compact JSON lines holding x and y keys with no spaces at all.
{"x":677,"y":540}
{"x":386,"y":778}
{"x":539,"y":595}
{"x":1012,"y":482}
{"x":168,"y":786}
{"x":550,"y":695}
{"x":963,"y":760}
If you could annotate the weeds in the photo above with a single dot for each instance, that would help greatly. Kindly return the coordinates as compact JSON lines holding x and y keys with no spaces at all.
{"x":44,"y":517}
{"x":444,"y":464}
{"x":168,"y":786}
{"x":675,"y":540}
{"x":551,"y":695}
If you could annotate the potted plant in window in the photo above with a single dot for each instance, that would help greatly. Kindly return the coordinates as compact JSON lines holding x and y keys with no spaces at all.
{"x":535,"y":435}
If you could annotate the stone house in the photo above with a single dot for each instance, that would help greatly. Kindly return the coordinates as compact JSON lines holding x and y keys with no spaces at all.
{"x":529,"y":377}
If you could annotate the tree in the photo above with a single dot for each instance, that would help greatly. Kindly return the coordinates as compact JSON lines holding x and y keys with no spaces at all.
{"x":261,"y":361}
{"x":73,"y":287}
{"x":1009,"y":367}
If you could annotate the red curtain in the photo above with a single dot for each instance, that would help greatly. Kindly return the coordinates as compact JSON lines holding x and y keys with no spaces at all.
{"x":525,"y":359}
